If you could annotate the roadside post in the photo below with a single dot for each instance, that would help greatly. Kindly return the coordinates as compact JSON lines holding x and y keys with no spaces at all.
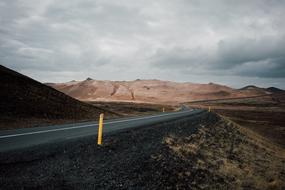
{"x":163,"y":109}
{"x":209,"y":110}
{"x":100,"y":129}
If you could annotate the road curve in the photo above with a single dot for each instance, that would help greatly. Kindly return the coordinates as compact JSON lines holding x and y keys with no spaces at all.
{"x":22,"y":138}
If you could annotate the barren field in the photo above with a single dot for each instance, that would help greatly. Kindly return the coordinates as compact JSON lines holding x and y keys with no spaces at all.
{"x":132,"y":109}
{"x":264,"y":115}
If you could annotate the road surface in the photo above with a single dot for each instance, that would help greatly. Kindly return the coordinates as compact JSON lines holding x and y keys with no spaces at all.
{"x":22,"y":138}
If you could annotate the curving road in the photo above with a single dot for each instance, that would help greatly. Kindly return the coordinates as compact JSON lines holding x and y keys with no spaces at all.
{"x":22,"y":138}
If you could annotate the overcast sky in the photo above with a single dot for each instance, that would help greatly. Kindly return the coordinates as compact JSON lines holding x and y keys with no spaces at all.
{"x":224,"y":41}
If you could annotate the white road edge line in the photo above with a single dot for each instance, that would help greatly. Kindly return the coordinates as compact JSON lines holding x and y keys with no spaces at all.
{"x":83,"y":126}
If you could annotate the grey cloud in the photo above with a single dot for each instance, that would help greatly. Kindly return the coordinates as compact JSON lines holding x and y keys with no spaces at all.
{"x":166,"y":38}
{"x":242,"y":50}
{"x":181,"y":59}
{"x":262,"y":57}
{"x":269,"y":68}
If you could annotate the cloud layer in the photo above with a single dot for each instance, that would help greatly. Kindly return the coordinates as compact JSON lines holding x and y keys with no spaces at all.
{"x":226,"y":41}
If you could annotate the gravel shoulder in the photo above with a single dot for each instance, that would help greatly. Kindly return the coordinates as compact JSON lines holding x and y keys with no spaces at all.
{"x":201,"y":152}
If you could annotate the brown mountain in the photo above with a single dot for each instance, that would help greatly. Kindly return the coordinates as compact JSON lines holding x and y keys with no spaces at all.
{"x":25,"y":102}
{"x":154,"y":91}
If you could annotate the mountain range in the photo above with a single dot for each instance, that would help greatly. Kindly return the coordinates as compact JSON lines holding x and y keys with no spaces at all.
{"x":26,"y":102}
{"x":153,"y":91}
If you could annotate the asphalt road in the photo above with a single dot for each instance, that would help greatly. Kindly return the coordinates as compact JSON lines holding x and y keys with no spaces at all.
{"x":22,"y":138}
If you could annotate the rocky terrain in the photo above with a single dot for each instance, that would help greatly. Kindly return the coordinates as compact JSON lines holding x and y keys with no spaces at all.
{"x":203,"y":152}
{"x":25,"y":102}
{"x":152,"y":91}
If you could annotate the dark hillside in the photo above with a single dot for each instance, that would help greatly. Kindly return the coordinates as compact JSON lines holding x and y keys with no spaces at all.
{"x":28,"y":102}
{"x":275,"y":90}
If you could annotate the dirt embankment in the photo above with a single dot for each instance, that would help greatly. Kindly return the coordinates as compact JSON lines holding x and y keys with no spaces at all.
{"x":264,"y":115}
{"x":203,"y":152}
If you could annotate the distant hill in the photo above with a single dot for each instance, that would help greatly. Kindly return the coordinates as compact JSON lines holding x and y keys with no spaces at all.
{"x":154,"y":91}
{"x":275,"y":90}
{"x":254,"y":90}
{"x":25,"y":102}
{"x":250,"y":87}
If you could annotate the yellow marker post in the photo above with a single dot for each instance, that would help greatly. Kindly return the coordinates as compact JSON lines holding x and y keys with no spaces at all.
{"x":100,"y":129}
{"x":209,"y":110}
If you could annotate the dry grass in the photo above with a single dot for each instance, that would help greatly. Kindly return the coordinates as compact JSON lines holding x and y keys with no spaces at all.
{"x":259,"y":139}
{"x":244,"y":159}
